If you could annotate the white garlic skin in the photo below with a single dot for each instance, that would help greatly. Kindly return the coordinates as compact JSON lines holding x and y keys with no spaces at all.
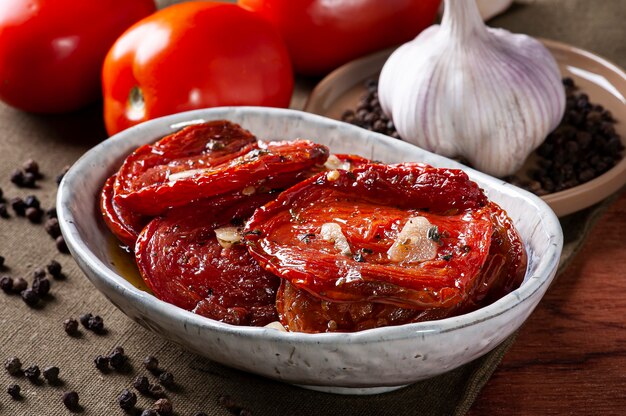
{"x":462,"y":89}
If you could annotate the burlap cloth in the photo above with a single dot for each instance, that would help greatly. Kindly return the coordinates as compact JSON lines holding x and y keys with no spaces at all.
{"x":37,"y":337}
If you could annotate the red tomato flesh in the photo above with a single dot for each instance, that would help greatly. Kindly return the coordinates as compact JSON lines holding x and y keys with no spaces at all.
{"x":180,"y":259}
{"x":372,"y":204}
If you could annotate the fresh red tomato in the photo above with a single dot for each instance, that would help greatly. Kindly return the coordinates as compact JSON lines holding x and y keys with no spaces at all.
{"x":323,"y":34}
{"x":194,"y":55}
{"x":51,"y":51}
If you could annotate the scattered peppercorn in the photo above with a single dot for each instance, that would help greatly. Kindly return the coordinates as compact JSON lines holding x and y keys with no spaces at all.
{"x":52,"y":227}
{"x":41,"y":286}
{"x":59,"y":178}
{"x":4,"y":212}
{"x":51,"y":374}
{"x":32,"y":373}
{"x":149,"y":412}
{"x":39,"y":273}
{"x":127,"y":399}
{"x":70,"y":325}
{"x":30,"y":166}
{"x":156,"y":391}
{"x":142,"y":384}
{"x":32,"y":201}
{"x":95,"y":324}
{"x":117,"y":359}
{"x":2,"y":262}
{"x":369,"y":114}
{"x":30,"y":297}
{"x":61,"y":245}
{"x":19,"y":284}
{"x":6,"y":283}
{"x":54,"y":268}
{"x":14,"y":391}
{"x":13,"y":365}
{"x":151,"y":363}
{"x":29,"y":180}
{"x":17,"y":177}
{"x":70,"y":400}
{"x":84,"y":319}
{"x":102,"y":363}
{"x":166,"y":379}
{"x":18,"y":206}
{"x":163,"y":407}
{"x":51,"y":212}
{"x":33,"y":214}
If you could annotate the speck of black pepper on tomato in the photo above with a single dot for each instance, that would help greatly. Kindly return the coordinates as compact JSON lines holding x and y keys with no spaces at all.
{"x":70,"y":400}
{"x":14,"y":391}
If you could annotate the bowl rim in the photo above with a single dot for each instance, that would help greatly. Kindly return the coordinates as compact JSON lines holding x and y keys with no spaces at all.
{"x":548,"y":260}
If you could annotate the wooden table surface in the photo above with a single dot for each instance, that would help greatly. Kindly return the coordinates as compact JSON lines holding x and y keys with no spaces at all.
{"x":570,"y":356}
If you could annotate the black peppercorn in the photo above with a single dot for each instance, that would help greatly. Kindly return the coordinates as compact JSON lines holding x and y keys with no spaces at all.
{"x":51,"y":374}
{"x":102,"y":363}
{"x":166,"y":379}
{"x":51,"y":212}
{"x":151,"y":363}
{"x":163,"y":407}
{"x":95,"y":324}
{"x":29,"y":180}
{"x":4,"y":212}
{"x":6,"y":283}
{"x":41,"y":286}
{"x":142,"y":384}
{"x":70,"y":400}
{"x":33,"y":214}
{"x":84,"y":319}
{"x":127,"y":399}
{"x":52,"y":227}
{"x":18,"y":206}
{"x":70,"y":326}
{"x":32,"y":373}
{"x":39,"y":273}
{"x":30,"y":297}
{"x":30,"y":166}
{"x":32,"y":201}
{"x":61,"y":245}
{"x":54,"y":268}
{"x":19,"y":285}
{"x":1,"y":262}
{"x":156,"y":391}
{"x":17,"y":177}
{"x":13,"y":365}
{"x":117,"y":359}
{"x":14,"y":391}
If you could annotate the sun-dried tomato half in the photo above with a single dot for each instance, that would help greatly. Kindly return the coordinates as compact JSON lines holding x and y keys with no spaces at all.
{"x":274,"y":164}
{"x":409,"y":235}
{"x":183,"y":263}
{"x":124,"y":224}
{"x":502,"y":272}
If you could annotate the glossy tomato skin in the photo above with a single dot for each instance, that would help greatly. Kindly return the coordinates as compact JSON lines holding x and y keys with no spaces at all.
{"x":194,"y":55}
{"x":322,"y":35}
{"x":51,"y":51}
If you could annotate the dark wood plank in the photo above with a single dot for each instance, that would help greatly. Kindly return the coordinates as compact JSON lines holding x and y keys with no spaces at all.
{"x":570,"y":356}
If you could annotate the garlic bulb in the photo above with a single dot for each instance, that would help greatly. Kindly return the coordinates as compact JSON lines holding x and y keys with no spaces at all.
{"x":463,"y":89}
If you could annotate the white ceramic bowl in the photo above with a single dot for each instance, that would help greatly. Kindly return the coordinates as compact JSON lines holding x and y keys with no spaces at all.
{"x":370,"y":361}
